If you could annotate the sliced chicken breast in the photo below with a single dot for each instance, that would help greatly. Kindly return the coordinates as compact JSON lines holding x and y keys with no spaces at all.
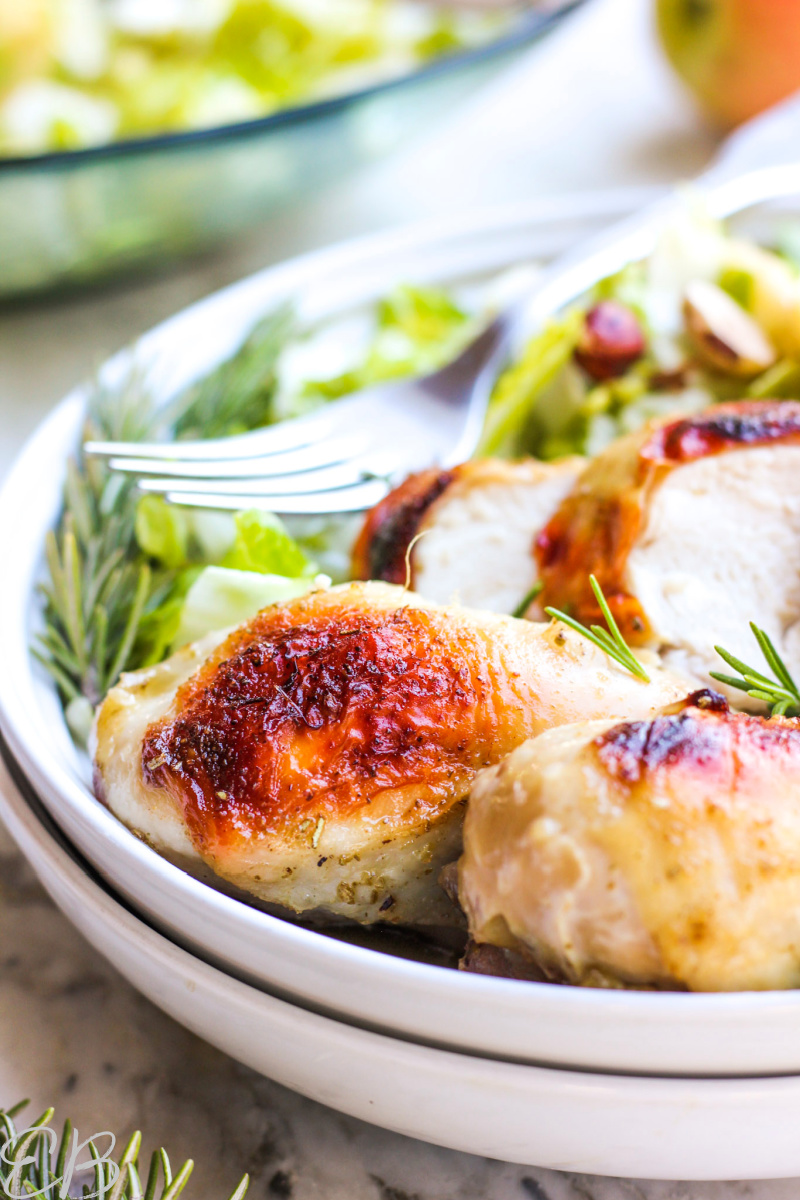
{"x":474,"y":528}
{"x":658,"y":853}
{"x":319,"y":756}
{"x":692,"y":528}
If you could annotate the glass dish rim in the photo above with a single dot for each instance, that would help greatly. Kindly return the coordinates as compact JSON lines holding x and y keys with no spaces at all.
{"x":528,"y":27}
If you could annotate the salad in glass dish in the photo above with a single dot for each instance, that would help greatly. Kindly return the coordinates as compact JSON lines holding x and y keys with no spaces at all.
{"x":79,"y":73}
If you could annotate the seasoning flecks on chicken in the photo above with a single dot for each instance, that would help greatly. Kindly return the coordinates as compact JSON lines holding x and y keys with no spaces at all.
{"x":692,"y":528}
{"x":319,"y":757}
{"x":659,"y":853}
{"x":475,"y":527}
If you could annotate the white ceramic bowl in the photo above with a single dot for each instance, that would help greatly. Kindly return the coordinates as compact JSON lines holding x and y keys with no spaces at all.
{"x":567,"y":1120}
{"x":651,"y":1033}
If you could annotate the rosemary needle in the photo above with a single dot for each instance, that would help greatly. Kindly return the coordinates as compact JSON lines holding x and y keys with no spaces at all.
{"x":34,"y":1161}
{"x":781,"y":693}
{"x":528,"y":599}
{"x":612,"y":643}
{"x":100,"y":586}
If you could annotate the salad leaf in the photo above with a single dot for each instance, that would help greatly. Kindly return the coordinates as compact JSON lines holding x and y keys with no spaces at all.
{"x":158,"y":626}
{"x":220,"y":597}
{"x":264,"y":565}
{"x":264,"y":546}
{"x":418,"y":330}
{"x":523,"y":384}
{"x":162,"y":531}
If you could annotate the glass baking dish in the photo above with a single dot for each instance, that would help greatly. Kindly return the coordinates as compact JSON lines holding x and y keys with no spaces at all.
{"x":77,"y":217}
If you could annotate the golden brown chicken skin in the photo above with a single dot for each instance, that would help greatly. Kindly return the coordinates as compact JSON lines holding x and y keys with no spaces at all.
{"x":658,"y":853}
{"x":692,"y":528}
{"x":320,"y":755}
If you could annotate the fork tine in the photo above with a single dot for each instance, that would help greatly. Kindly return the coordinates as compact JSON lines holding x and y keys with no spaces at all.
{"x":275,"y":439}
{"x":322,"y":454}
{"x":341,"y":500}
{"x":324,"y":479}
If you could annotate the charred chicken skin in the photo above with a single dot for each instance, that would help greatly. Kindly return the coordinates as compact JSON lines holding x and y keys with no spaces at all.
{"x":656,"y":853}
{"x":465,"y":534}
{"x":692,"y":528}
{"x":319,"y":756}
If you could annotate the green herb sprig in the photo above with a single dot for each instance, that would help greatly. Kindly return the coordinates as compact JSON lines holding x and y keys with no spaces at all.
{"x":613,"y":643}
{"x":781,"y":693}
{"x":101,"y":586}
{"x":528,"y":599}
{"x":31,"y":1164}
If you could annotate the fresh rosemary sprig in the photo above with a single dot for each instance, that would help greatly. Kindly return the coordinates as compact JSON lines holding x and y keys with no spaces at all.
{"x":528,"y":599}
{"x":781,"y":693}
{"x":101,"y":586}
{"x":33,"y":1162}
{"x":239,"y":394}
{"x":614,"y":643}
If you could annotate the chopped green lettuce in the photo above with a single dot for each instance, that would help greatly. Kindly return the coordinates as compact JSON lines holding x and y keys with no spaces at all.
{"x":198,"y":593}
{"x":418,"y":329}
{"x":162,"y":531}
{"x":516,"y":422}
{"x":158,"y":628}
{"x":263,"y":545}
{"x":221,"y":597}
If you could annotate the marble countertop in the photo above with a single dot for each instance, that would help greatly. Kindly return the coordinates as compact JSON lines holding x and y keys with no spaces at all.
{"x":592,"y":107}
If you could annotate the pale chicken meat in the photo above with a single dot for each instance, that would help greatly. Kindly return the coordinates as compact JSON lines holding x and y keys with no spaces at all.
{"x":692,"y":528}
{"x":467,"y":534}
{"x":661,"y":853}
{"x":319,"y":756}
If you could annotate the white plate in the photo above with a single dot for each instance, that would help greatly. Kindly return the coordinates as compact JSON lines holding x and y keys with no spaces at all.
{"x":571,"y":1121}
{"x":650,"y":1033}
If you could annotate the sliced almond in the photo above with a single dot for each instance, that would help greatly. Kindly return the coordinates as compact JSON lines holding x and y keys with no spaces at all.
{"x":723,"y":334}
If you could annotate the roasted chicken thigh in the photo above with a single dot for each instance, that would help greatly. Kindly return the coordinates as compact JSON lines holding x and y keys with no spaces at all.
{"x":692,"y":527}
{"x":319,"y":756}
{"x":656,"y":853}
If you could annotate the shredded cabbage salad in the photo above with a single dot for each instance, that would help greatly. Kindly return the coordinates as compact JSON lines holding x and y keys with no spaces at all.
{"x":718,"y":317}
{"x":77,"y":73}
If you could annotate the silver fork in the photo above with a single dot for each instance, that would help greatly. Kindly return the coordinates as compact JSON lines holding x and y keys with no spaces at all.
{"x":345,"y":457}
{"x":339,"y":459}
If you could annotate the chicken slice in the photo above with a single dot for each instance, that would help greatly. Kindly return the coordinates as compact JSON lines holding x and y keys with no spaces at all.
{"x":692,"y":528}
{"x":479,"y":523}
{"x":319,"y":756}
{"x":661,"y":853}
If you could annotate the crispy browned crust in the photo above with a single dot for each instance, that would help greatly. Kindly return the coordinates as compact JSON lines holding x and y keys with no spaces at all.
{"x":597,"y":526}
{"x":317,"y":707}
{"x":704,"y":740}
{"x":389,"y":528}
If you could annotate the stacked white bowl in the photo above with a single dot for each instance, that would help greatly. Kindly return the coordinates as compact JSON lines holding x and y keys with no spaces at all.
{"x":653,"y":1085}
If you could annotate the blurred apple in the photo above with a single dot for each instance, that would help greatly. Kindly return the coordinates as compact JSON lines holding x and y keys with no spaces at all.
{"x":737,"y":56}
{"x":26,"y":39}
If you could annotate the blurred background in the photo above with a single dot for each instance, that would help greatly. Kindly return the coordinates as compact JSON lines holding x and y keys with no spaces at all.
{"x":453,"y":113}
